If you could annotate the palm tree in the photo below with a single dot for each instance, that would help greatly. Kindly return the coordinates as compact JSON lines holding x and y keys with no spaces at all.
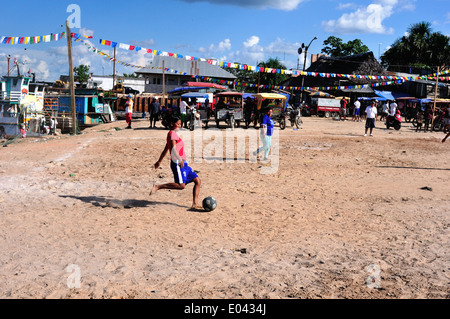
{"x":418,"y":40}
{"x":421,"y":48}
{"x":439,"y":49}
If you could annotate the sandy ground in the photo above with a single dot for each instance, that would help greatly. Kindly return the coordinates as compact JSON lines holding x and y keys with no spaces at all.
{"x":341,"y":216}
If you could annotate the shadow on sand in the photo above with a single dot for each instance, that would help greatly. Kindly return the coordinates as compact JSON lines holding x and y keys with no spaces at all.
{"x":101,"y":201}
{"x":410,"y":167}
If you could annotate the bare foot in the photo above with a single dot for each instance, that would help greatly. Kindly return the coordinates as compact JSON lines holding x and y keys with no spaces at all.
{"x":196,"y":207}
{"x":154,"y":189}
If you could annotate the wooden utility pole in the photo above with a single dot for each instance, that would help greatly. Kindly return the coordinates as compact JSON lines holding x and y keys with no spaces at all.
{"x":164,"y":85}
{"x":114,"y":68}
{"x":435,"y":97}
{"x":9,"y":58}
{"x":72,"y":80}
{"x":259,"y":80}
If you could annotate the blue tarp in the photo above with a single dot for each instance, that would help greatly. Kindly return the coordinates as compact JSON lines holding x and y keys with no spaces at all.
{"x":376,"y":98}
{"x":391,"y":95}
{"x":196,"y":95}
{"x":288,"y":96}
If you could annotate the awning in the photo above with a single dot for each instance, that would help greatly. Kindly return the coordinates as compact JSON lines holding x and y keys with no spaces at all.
{"x":364,"y":90}
{"x":432,"y":83}
{"x":206,"y":84}
{"x":376,"y":98}
{"x":319,"y":94}
{"x":188,"y":88}
{"x":196,"y":95}
{"x":393,"y":95}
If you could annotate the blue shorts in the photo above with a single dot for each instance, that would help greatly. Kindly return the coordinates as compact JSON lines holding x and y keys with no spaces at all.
{"x":182,"y":175}
{"x":356,"y":111}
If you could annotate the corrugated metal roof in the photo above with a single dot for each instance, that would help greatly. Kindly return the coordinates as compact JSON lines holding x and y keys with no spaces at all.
{"x":199,"y":68}
{"x":433,"y":83}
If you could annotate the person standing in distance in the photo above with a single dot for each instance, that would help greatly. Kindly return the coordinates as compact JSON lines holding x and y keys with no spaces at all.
{"x":182,"y":173}
{"x":371,"y":113}
{"x":266,"y":132}
{"x":357,"y":113}
{"x":343,"y":109}
{"x":129,"y":111}
{"x":155,"y":109}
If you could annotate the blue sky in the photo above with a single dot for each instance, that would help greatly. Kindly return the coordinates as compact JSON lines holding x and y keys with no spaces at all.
{"x":243,"y":31}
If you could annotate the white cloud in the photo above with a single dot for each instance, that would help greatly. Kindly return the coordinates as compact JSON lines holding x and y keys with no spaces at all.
{"x":343,"y":6}
{"x":87,"y":32}
{"x":42,"y":70}
{"x":223,"y":46}
{"x":286,"y":5}
{"x":252,"y":41}
{"x":364,"y":20}
{"x":252,"y":52}
{"x":447,"y":18}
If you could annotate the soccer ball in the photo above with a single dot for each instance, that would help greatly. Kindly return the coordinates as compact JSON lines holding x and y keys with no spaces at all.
{"x":209,"y":204}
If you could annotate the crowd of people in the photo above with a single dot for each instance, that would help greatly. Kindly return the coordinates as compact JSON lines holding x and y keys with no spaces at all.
{"x":370,"y":111}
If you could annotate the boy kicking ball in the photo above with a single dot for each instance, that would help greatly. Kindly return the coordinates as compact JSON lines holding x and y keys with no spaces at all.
{"x":182,"y":173}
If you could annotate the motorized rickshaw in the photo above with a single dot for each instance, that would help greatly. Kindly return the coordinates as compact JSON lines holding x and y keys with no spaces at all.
{"x":229,"y":107}
{"x":277,"y":102}
{"x":200,"y":113}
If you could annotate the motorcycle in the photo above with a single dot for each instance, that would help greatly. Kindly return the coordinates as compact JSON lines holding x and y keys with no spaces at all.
{"x":197,"y":117}
{"x":294,"y":115}
{"x":394,"y":121}
{"x":305,"y":110}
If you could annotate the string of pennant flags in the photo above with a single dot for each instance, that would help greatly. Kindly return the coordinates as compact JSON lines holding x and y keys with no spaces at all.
{"x":79,"y":38}
{"x":225,"y":82}
{"x":52,"y":37}
{"x":252,"y":68}
{"x":397,"y":80}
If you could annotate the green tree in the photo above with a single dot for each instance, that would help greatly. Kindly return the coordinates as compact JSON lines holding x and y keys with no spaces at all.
{"x":81,"y":73}
{"x":334,"y":47}
{"x":420,"y":48}
{"x":244,"y":76}
{"x":131,"y":75}
{"x":271,"y":79}
{"x":252,"y":77}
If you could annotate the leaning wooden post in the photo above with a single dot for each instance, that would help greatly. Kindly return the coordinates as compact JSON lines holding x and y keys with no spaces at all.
{"x":72,"y":81}
{"x":435,"y":97}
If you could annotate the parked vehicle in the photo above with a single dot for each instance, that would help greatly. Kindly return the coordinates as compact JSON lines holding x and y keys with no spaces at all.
{"x":130,"y":90}
{"x":229,"y":108}
{"x":305,"y":109}
{"x":277,"y":102}
{"x":394,"y":121}
{"x":325,"y":107}
{"x":294,"y":115}
{"x":199,"y":114}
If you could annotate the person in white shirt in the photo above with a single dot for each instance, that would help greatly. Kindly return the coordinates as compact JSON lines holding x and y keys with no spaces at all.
{"x":356,"y":112}
{"x":392,"y":109}
{"x":129,"y":111}
{"x":384,"y":111}
{"x":53,"y":123}
{"x":183,"y":112}
{"x":371,"y":113}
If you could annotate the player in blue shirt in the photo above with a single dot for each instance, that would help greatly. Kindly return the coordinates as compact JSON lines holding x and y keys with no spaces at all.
{"x":266,"y":134}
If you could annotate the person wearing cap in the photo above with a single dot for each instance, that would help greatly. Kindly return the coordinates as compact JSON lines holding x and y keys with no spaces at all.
{"x":129,"y":110}
{"x":371,"y":112}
